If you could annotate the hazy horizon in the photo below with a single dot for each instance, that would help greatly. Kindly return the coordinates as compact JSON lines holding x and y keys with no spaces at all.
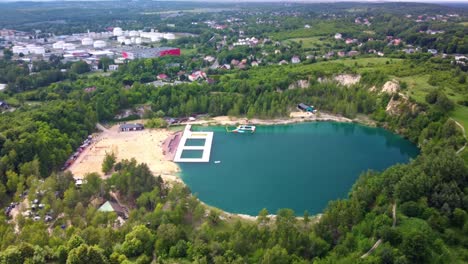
{"x":234,"y":1}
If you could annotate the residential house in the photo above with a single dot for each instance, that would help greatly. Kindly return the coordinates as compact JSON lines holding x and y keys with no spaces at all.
{"x":295,"y":60}
{"x":197,"y":75}
{"x":338,"y":36}
{"x":90,"y":89}
{"x":241,"y":66}
{"x":234,"y":62}
{"x":225,"y":67}
{"x":162,"y":77}
{"x":209,"y":59}
{"x":113,"y":207}
{"x":254,"y":63}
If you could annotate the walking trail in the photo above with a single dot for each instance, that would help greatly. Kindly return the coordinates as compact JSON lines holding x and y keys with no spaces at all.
{"x":464,"y":135}
{"x":378,"y":242}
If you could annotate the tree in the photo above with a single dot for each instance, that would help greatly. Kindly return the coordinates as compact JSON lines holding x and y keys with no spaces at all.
{"x":85,"y":254}
{"x":276,"y":255}
{"x":80,"y":67}
{"x":104,"y":63}
{"x":459,"y":217}
{"x":416,"y":247}
{"x":12,"y":181}
{"x":167,"y":236}
{"x":7,"y":54}
{"x":74,"y":242}
{"x":108,"y":163}
{"x":262,"y":218}
{"x":139,"y":241}
{"x":156,"y":123}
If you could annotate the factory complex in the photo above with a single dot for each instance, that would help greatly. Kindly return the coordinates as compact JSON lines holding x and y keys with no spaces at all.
{"x":114,"y":43}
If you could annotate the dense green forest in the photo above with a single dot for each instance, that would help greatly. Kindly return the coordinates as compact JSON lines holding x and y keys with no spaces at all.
{"x":169,"y":224}
{"x":416,"y":212}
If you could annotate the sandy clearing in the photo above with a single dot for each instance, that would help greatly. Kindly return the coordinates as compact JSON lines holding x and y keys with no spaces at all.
{"x":145,"y":146}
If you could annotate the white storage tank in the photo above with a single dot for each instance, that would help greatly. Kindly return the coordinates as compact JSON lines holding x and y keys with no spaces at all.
{"x":87,"y":42}
{"x":37,"y":50}
{"x":20,"y":49}
{"x":58,"y":45}
{"x":69,"y":46}
{"x":99,"y":44}
{"x":120,"y":39}
{"x":117,"y":31}
{"x":169,"y":36}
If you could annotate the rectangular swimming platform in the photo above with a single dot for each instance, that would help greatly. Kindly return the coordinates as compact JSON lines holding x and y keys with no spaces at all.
{"x":206,"y":148}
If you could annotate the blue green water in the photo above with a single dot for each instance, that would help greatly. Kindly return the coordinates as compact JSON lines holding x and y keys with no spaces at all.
{"x":299,"y":166}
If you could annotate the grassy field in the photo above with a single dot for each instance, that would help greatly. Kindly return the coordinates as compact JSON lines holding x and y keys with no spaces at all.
{"x":417,"y":86}
{"x":318,"y":28}
{"x":461,"y":115}
{"x":364,"y":64}
{"x":188,"y":51}
{"x":311,"y":43}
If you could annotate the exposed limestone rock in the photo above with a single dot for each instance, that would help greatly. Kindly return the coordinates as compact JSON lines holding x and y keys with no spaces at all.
{"x":299,"y":84}
{"x":391,"y":87}
{"x":393,"y":106}
{"x":399,"y":104}
{"x":347,"y":79}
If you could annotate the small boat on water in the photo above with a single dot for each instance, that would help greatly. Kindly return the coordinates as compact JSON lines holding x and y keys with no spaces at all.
{"x":217,"y":161}
{"x":244,"y":129}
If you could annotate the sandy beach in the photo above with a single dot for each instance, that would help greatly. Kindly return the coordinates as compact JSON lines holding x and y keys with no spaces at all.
{"x":145,"y":146}
{"x":294,"y":117}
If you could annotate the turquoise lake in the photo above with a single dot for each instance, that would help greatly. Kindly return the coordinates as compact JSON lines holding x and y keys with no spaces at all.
{"x":298,"y":166}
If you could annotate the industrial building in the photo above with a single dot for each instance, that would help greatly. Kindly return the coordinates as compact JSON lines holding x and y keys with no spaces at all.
{"x":145,"y":53}
{"x":131,"y":127}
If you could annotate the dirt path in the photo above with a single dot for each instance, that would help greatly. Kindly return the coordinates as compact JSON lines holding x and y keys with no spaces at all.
{"x":378,"y":242}
{"x":464,"y":135}
{"x":101,"y":127}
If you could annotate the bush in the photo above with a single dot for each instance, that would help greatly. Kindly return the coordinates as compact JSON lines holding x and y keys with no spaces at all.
{"x":156,"y":123}
{"x":108,"y":162}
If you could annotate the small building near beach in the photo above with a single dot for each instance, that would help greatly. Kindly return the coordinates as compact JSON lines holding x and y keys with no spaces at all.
{"x":131,"y":127}
{"x":306,"y":108}
{"x":113,"y":207}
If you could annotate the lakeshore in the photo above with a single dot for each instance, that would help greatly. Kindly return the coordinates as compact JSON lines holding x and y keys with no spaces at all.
{"x":291,"y":166}
{"x":160,"y":146}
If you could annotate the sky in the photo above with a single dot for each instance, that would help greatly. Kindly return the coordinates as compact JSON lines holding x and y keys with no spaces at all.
{"x":302,"y":1}
{"x":311,"y":1}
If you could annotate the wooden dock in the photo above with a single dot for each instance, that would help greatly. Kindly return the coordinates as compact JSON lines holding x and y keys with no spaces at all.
{"x":206,"y":148}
